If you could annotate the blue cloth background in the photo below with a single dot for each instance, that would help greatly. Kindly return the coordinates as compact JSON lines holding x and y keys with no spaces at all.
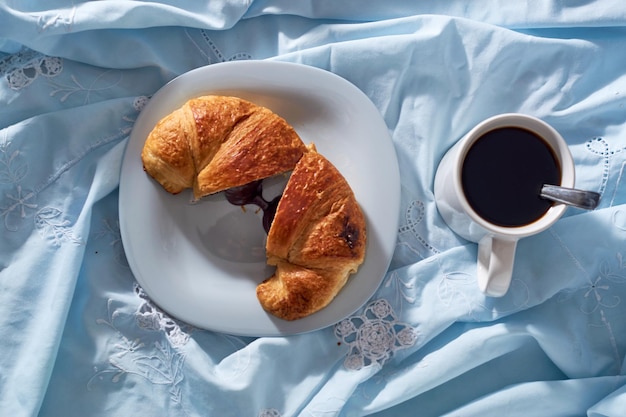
{"x":79,"y":337}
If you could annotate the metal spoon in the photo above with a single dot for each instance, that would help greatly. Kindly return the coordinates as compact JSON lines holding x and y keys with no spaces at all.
{"x":587,"y":200}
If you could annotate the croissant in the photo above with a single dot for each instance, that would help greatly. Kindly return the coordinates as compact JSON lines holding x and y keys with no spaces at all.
{"x":213,"y":143}
{"x":318,"y":236}
{"x":316,"y":240}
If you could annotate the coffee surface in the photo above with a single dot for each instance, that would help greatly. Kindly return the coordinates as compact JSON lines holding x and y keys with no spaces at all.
{"x":503,"y":173}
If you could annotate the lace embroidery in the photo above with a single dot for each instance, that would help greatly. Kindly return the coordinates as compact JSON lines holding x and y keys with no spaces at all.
{"x":218,"y":55}
{"x":597,"y":294}
{"x":601,"y":147}
{"x":597,"y":298}
{"x":374,"y":336}
{"x":19,"y":202}
{"x":51,"y":226}
{"x":140,"y":102}
{"x":402,"y":288}
{"x":21,"y":69}
{"x":62,"y":18}
{"x":150,"y":317}
{"x":159,"y":363}
{"x":103,"y":81}
{"x":449,"y":288}
{"x":13,"y":168}
{"x":414,"y":215}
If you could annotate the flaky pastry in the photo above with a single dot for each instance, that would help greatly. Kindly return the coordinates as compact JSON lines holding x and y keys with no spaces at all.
{"x":317,"y":239}
{"x":213,"y":143}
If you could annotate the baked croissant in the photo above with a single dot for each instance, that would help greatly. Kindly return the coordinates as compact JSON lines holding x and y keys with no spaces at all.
{"x":213,"y":143}
{"x":317,"y":239}
{"x":318,"y":236}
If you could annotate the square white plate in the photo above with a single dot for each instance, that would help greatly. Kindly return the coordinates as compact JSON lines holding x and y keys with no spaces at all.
{"x":201,"y":262}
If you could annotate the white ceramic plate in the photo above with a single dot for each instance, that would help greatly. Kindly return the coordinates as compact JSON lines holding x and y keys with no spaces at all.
{"x":201,"y":262}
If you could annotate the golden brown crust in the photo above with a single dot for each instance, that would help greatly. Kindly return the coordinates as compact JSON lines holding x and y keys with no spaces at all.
{"x":317,"y":239}
{"x":166,"y":155}
{"x":260,"y":146}
{"x":294,"y":291}
{"x":213,"y":143}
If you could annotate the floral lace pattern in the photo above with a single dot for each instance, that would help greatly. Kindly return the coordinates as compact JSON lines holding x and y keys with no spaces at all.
{"x":602,"y":148}
{"x":374,"y":336}
{"x":20,"y":201}
{"x":161,"y":363}
{"x":86,"y":87}
{"x":150,"y":317}
{"x":597,"y":298}
{"x":52,"y":226}
{"x":63,"y":19}
{"x":23,"y":68}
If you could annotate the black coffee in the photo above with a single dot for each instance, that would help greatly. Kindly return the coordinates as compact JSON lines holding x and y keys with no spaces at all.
{"x":503,"y":173}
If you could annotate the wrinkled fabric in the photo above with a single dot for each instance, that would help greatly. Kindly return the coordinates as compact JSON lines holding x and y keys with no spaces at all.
{"x":80,"y":337}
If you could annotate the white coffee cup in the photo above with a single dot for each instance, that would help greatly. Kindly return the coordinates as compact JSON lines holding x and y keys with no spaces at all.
{"x":496,"y":243}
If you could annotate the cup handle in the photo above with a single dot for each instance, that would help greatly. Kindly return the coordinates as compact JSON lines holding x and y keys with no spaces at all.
{"x":495,"y":265}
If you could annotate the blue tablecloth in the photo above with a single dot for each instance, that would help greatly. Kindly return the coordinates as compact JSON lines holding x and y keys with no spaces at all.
{"x":79,"y":336}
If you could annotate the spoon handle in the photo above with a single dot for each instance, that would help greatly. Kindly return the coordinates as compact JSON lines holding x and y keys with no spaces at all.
{"x":587,"y":200}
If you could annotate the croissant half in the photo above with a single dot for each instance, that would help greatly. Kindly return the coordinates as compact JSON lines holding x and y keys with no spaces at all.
{"x":317,"y":239}
{"x":213,"y":143}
